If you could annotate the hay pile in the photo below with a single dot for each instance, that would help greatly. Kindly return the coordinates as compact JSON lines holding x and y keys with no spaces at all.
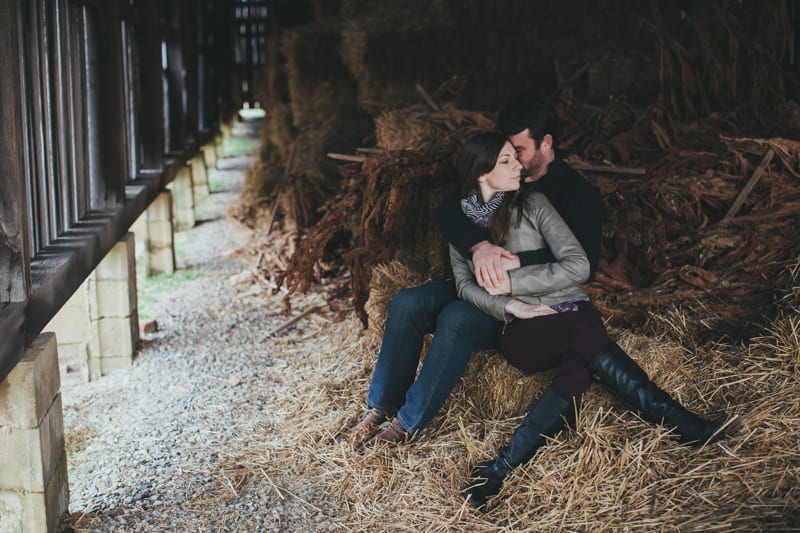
{"x":367,"y":222}
{"x":671,"y":247}
{"x":612,"y":472}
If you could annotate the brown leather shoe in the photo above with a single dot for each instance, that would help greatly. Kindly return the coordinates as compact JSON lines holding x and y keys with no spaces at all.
{"x":390,"y":431}
{"x":366,"y":424}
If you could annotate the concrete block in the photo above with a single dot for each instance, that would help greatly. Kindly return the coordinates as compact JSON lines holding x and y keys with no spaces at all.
{"x":93,"y":366}
{"x":161,"y":208}
{"x":34,"y":452}
{"x":162,"y":261}
{"x":119,"y":262}
{"x":71,"y":322}
{"x":109,"y":364}
{"x":28,"y":391}
{"x":116,"y":337}
{"x":183,"y":199}
{"x":72,"y":352}
{"x":140,"y":236}
{"x":199,"y":174}
{"x":73,"y":363}
{"x":210,"y":155}
{"x":36,"y":511}
{"x":218,"y":147}
{"x":160,"y":234}
{"x":115,"y":298}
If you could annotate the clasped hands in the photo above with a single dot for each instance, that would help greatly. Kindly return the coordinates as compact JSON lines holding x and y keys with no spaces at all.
{"x":492,"y":264}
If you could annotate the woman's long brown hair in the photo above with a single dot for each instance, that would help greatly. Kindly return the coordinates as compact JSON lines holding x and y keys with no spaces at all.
{"x":478,"y":157}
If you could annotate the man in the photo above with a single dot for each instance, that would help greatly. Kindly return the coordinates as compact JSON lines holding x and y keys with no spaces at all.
{"x":459,"y":327}
{"x":532,"y":128}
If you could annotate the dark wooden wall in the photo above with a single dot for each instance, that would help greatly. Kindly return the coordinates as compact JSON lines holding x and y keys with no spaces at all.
{"x":102,"y":102}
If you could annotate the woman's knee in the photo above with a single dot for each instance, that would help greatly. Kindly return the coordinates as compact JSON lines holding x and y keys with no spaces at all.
{"x":589,"y":331}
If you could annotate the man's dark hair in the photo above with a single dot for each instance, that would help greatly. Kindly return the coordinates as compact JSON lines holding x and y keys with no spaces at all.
{"x":529,"y":111}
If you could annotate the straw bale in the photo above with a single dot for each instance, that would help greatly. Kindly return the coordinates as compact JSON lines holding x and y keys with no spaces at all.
{"x":390,"y":47}
{"x":326,"y":8}
{"x":407,"y":129}
{"x":387,"y":280}
{"x":317,"y":79}
{"x":258,"y":187}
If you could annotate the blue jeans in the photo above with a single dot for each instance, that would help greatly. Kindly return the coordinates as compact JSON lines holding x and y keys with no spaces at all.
{"x":458,"y":328}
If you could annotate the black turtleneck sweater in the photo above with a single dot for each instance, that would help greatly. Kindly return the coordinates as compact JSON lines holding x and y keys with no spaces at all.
{"x":574,"y":198}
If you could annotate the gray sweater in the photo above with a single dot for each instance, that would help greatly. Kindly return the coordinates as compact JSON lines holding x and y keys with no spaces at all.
{"x":546,"y":284}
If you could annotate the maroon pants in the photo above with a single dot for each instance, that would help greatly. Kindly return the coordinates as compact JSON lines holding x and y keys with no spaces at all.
{"x":566,"y":341}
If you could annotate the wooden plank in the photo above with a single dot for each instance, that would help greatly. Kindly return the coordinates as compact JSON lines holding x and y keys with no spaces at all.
{"x":347,"y":157}
{"x":737,"y":204}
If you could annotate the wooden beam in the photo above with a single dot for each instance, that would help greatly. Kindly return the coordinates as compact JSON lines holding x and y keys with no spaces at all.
{"x":611,"y":169}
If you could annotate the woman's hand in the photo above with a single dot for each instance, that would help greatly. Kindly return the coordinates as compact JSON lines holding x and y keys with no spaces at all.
{"x":491,"y":263}
{"x":521,"y":310}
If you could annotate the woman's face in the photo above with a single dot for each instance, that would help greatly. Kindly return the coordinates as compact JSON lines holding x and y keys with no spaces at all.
{"x":505,"y":174}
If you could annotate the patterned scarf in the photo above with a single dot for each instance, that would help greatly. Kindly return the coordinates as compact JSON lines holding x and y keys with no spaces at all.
{"x":479,"y":212}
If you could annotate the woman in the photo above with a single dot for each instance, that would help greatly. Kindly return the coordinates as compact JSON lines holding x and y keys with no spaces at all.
{"x":549,"y":321}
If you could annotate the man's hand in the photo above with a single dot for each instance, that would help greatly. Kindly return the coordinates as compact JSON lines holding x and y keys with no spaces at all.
{"x":503,"y":288}
{"x":521,"y":310}
{"x":491,"y":263}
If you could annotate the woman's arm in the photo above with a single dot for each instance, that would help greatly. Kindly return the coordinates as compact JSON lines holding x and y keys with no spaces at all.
{"x":469,"y":290}
{"x":571,"y":266}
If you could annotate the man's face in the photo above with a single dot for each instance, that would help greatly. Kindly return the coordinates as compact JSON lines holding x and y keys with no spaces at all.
{"x":534,"y":159}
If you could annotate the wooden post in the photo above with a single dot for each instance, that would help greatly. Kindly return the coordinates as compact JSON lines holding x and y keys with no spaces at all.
{"x":175,"y":87}
{"x":151,"y":107}
{"x":188,"y":11}
{"x":15,"y":281}
{"x":108,"y":165}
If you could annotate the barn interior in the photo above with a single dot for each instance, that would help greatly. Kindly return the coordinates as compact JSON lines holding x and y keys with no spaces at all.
{"x":685,"y":116}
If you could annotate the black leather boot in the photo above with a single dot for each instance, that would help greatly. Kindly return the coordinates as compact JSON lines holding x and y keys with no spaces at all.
{"x":544,"y":419}
{"x":616,"y":371}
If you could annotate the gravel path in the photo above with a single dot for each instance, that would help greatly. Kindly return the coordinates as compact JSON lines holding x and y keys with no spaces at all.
{"x":150,"y":447}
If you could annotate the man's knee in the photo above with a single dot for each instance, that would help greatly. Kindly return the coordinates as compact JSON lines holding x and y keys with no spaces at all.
{"x":407,"y":302}
{"x":462,"y":318}
{"x":423,"y":301}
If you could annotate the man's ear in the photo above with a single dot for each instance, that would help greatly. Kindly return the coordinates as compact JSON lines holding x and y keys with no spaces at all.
{"x":547,"y":141}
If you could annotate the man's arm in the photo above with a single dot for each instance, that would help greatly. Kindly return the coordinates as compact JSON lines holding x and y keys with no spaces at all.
{"x":491,"y":261}
{"x":536,"y":257}
{"x":457,"y":228}
{"x":584,"y":217}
